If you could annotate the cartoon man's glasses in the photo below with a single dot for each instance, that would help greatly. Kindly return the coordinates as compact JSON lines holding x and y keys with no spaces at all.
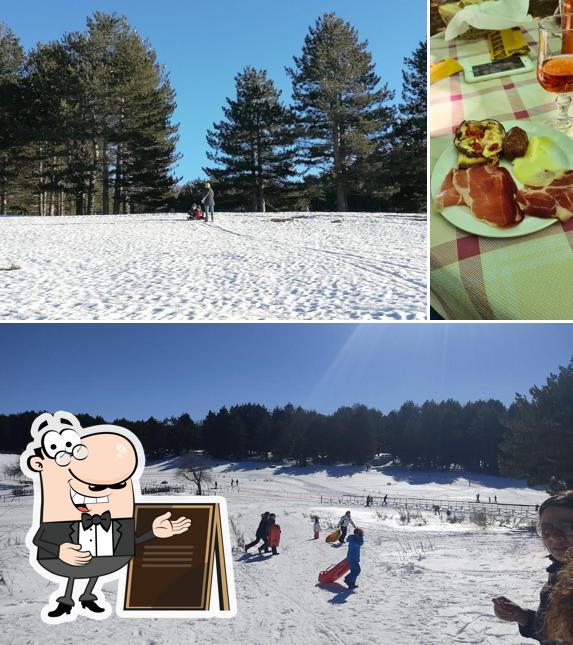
{"x":558,"y":529}
{"x":79,"y":451}
{"x":62,"y":446}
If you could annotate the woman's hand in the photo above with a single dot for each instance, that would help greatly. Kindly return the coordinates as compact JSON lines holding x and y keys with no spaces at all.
{"x":508,"y":610}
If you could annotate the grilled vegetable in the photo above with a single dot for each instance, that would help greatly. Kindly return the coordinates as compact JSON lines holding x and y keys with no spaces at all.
{"x":480,"y":140}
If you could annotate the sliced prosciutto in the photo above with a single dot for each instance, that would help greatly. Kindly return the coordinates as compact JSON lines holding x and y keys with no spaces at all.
{"x":448,"y":195}
{"x":553,"y":200}
{"x":488,"y":191}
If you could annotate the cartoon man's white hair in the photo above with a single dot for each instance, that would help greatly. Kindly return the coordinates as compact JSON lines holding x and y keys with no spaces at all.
{"x":58,"y":421}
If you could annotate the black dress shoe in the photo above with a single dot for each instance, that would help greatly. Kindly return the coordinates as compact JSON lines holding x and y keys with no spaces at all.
{"x":60,"y":610}
{"x":92,"y":606}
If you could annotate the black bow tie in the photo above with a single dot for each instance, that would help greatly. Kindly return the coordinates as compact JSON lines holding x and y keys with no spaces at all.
{"x":104,"y":520}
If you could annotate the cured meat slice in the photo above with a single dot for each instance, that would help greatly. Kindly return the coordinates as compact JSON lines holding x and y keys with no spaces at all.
{"x":490,"y":193}
{"x":448,"y":195}
{"x":552,"y":200}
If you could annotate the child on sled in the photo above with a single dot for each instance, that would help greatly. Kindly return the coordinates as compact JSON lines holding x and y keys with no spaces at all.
{"x":196,"y":213}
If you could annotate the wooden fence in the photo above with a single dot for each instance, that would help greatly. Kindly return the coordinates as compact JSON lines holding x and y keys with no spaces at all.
{"x":497,"y":509}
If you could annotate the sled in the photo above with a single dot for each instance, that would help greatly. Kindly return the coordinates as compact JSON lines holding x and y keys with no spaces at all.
{"x":333,"y":536}
{"x":274,"y":535}
{"x":334,"y":572}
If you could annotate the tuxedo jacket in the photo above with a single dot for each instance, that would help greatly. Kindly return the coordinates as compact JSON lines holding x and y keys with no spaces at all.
{"x":51,"y":535}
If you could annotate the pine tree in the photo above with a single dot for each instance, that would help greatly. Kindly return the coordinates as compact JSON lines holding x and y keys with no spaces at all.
{"x":404,"y":167}
{"x":342,"y":116}
{"x":11,"y":124}
{"x":48,"y":113}
{"x":539,"y":443}
{"x":484,"y":431}
{"x":133,"y":106}
{"x":253,"y":145}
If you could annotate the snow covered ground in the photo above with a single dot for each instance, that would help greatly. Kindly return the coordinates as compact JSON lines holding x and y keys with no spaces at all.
{"x":248,"y":266}
{"x":422,"y":584}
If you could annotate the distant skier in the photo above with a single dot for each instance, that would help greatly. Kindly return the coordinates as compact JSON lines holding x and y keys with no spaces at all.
{"x":316,"y":527}
{"x":495,"y":499}
{"x":345,"y":520}
{"x":261,"y":533}
{"x":385,"y":498}
{"x":477,"y":497}
{"x":209,"y":201}
{"x":354,"y":543}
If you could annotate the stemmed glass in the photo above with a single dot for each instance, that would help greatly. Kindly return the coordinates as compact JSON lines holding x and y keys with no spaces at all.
{"x":555,"y":64}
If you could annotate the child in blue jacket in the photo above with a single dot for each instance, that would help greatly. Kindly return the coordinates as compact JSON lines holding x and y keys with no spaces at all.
{"x":354,"y":543}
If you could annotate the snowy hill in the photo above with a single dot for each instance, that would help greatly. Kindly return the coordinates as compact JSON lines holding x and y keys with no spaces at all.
{"x":423,"y":582}
{"x":248,"y":266}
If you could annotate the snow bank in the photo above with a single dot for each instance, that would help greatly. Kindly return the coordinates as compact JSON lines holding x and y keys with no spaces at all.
{"x":319,"y":266}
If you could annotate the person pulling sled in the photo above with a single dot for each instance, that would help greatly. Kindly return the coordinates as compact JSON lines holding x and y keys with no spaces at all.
{"x":355,"y":541}
{"x":270,"y":520}
{"x":208,"y":201}
{"x":343,"y":524}
{"x":261,"y":533}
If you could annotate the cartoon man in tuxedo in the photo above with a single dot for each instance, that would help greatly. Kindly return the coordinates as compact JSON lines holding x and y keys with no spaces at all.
{"x":84,"y":483}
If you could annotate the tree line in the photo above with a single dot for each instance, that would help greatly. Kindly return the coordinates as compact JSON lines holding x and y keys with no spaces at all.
{"x":532,"y":439}
{"x":86,"y":127}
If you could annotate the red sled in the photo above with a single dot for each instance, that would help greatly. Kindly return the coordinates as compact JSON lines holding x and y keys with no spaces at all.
{"x":334,"y":572}
{"x":274,"y":535}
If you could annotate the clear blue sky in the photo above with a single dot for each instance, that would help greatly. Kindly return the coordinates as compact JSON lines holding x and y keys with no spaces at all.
{"x":136,"y":371}
{"x":205,"y":44}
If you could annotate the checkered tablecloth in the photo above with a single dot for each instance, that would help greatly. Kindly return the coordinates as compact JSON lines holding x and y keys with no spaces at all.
{"x":471,"y":277}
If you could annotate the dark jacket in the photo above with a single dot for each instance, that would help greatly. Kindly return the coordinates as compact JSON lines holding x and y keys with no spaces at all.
{"x":209,"y":198}
{"x":535,"y":626}
{"x":262,"y":529}
{"x":51,"y":535}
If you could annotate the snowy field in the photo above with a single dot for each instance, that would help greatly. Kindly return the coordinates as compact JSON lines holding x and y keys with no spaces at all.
{"x":426,"y":584}
{"x":316,"y":266}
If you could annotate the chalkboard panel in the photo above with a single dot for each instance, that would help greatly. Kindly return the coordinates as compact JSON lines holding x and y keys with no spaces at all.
{"x":176,"y":573}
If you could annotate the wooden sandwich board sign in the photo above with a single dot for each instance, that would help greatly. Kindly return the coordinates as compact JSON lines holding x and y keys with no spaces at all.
{"x":191,"y":575}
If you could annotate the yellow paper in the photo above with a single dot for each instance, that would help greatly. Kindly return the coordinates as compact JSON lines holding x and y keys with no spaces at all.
{"x":506,"y":43}
{"x":443,"y":69}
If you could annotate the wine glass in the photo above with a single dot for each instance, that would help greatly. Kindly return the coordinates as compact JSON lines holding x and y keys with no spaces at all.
{"x":555,"y":64}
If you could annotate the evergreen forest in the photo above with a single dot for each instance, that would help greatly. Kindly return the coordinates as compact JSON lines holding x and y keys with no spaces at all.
{"x":87,"y":127}
{"x":530,"y":439}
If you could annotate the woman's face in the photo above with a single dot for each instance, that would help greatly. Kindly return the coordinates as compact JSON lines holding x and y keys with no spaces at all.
{"x":557,"y":530}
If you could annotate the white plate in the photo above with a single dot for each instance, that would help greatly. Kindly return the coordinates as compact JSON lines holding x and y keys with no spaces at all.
{"x":462,"y":217}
